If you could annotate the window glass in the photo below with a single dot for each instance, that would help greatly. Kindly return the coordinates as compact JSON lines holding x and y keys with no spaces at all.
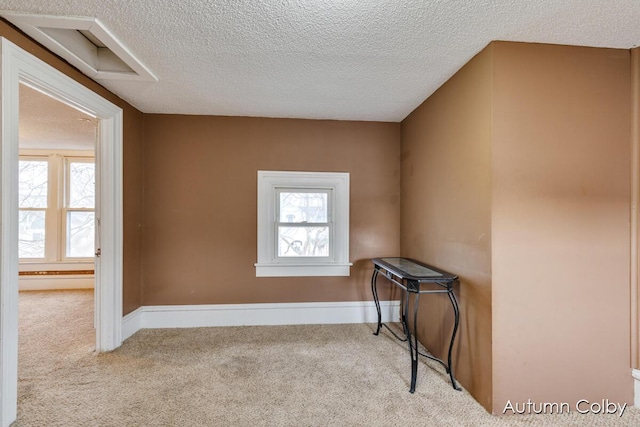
{"x":31,"y":234}
{"x":303,"y":241}
{"x":303,"y":207}
{"x":32,"y":183}
{"x":82,"y":185}
{"x":80,"y":234}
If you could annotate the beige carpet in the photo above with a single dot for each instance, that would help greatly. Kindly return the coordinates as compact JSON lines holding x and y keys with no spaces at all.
{"x":331,"y":375}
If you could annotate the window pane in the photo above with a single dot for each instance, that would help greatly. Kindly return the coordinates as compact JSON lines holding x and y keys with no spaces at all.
{"x":303,"y":207}
{"x":82,"y":185}
{"x":80,"y":234}
{"x":303,"y":241}
{"x":31,"y":234}
{"x":32,"y":183}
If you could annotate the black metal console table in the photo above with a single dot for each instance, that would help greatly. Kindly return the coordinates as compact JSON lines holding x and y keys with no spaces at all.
{"x":410,"y":275}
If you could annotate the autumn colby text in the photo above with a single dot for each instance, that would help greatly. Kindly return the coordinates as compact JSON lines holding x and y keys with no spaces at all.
{"x":582,"y":406}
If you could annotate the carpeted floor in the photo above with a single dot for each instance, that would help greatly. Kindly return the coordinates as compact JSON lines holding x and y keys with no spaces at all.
{"x":317,"y":375}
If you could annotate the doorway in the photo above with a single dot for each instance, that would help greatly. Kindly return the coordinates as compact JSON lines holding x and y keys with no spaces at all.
{"x":19,"y":67}
{"x":56,"y":194}
{"x":56,"y":240}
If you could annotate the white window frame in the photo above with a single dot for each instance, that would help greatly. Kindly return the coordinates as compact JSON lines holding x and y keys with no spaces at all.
{"x":65,"y":209}
{"x":55,"y":237}
{"x":49,"y":211}
{"x":269,"y":263}
{"x":329,"y":224}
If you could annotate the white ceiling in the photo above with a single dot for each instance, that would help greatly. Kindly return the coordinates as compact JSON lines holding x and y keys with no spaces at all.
{"x":325,"y":59}
{"x":48,"y":124}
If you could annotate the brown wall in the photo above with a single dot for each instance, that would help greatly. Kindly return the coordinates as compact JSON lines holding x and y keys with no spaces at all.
{"x":560,"y":224}
{"x":516,"y":176}
{"x":200,"y":174}
{"x":132,"y":153}
{"x":446,"y":214}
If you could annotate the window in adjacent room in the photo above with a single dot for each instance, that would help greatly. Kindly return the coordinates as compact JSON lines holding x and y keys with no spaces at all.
{"x":33,"y":203}
{"x":303,"y":224}
{"x":78,"y":211}
{"x":56,"y":208}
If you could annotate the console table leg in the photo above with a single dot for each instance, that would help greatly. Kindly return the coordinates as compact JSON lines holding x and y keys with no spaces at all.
{"x":413,"y":346}
{"x":376,"y":300}
{"x":456,"y":311}
{"x":404,"y":304}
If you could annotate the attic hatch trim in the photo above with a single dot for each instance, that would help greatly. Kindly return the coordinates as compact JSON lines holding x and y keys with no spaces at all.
{"x":74,"y":39}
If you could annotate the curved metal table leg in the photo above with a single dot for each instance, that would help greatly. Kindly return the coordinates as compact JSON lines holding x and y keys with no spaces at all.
{"x":376,"y":300}
{"x":404,"y":307}
{"x":456,"y":312}
{"x":413,"y":346}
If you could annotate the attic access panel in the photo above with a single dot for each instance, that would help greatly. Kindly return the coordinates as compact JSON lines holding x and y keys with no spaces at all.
{"x":86,"y":43}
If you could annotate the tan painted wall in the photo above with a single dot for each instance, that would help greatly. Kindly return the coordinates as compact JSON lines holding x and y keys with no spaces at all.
{"x":132,"y":208}
{"x":200,"y":174}
{"x":132,"y":136}
{"x":560,"y":224}
{"x":515,"y":175}
{"x":446,"y":215}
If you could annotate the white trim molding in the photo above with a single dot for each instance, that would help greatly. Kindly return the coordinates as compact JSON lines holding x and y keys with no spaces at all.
{"x":302,"y":270}
{"x":20,"y":67}
{"x":132,"y":323}
{"x":39,"y":283}
{"x":10,"y":74}
{"x":307,"y":313}
{"x":336,"y":186}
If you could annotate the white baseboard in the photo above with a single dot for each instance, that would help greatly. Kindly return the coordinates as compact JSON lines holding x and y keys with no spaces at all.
{"x":636,"y":387}
{"x":55,"y":283}
{"x":194,"y":316}
{"x":132,"y":323}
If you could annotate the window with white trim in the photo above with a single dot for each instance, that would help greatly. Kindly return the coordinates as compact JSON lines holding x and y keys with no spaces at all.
{"x":78,"y":208}
{"x":303,"y":224}
{"x":56,"y":199}
{"x":34,"y":206}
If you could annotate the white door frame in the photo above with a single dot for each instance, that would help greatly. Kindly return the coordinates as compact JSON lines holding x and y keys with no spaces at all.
{"x":18,"y":67}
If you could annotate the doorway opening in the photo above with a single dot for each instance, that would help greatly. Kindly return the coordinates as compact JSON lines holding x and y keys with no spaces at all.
{"x":56,"y":240}
{"x":18,"y":66}
{"x":56,"y":194}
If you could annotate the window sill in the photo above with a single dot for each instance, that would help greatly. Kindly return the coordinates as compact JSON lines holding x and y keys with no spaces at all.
{"x":57,"y":265}
{"x":302,"y":270}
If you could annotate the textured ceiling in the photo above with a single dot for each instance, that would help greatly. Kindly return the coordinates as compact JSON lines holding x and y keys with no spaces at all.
{"x":47,"y":124}
{"x":325,"y":59}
